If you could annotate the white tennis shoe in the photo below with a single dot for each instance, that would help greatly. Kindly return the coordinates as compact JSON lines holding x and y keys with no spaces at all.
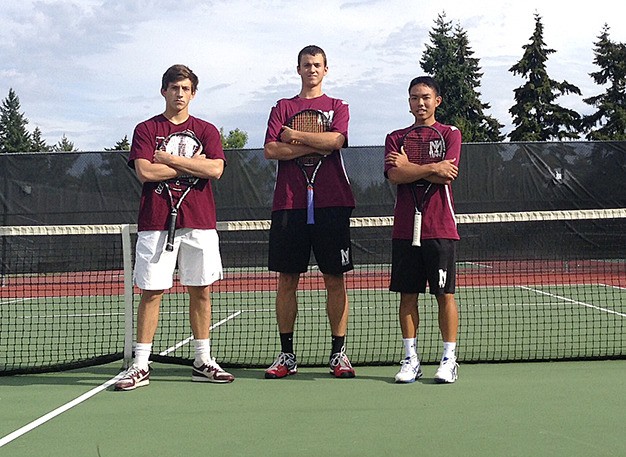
{"x":410,"y":371}
{"x":448,"y":371}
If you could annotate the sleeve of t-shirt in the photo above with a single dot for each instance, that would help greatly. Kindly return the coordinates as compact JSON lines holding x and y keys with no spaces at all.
{"x":275,"y":124}
{"x":391,"y":145}
{"x":142,"y":145}
{"x":453,"y":145}
{"x":212,"y":143}
{"x":341,"y":119}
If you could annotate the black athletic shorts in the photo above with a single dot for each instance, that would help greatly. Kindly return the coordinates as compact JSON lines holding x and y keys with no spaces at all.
{"x":434,"y":263}
{"x":292,"y":239}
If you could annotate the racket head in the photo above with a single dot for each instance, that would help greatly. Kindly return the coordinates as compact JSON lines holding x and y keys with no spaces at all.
{"x":312,"y":121}
{"x":183,"y":144}
{"x":309,"y":120}
{"x":424,"y":144}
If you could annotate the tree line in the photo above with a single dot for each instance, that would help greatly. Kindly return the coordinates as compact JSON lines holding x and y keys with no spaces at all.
{"x":449,"y":58}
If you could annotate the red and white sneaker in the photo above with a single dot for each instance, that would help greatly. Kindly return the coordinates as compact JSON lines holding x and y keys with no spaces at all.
{"x":340,"y":365}
{"x":210,"y":372}
{"x":284,"y":365}
{"x":133,"y":378}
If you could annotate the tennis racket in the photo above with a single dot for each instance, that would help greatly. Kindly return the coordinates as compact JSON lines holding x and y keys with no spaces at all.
{"x":312,"y":121}
{"x":184,"y":144}
{"x":423,"y":145}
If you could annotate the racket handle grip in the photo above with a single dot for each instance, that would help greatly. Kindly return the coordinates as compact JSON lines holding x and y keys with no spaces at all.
{"x":171,"y":230}
{"x":310,"y":212}
{"x":417,"y":229}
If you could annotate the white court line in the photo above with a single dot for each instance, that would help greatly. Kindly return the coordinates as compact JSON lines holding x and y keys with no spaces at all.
{"x":576,"y":302}
{"x":612,"y":286}
{"x":187,"y":340}
{"x":73,"y":315}
{"x":61,"y":409}
{"x":17,"y":300}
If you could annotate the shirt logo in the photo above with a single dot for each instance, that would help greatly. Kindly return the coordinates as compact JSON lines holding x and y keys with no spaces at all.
{"x":435,"y":149}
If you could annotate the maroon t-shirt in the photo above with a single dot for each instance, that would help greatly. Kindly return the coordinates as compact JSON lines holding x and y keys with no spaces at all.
{"x":198,"y":208}
{"x":332,"y":187}
{"x":438,"y":219}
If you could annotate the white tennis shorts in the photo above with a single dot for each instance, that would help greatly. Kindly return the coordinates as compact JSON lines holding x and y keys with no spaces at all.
{"x":195,"y":251}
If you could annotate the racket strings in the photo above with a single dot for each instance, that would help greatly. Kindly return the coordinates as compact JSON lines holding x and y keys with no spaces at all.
{"x":308,"y":123}
{"x":423,"y":149}
{"x":182,"y":146}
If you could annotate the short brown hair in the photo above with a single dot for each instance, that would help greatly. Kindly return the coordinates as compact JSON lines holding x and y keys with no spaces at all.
{"x":177,"y":73}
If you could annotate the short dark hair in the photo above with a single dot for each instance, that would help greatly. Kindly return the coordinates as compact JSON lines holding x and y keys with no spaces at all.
{"x":177,"y":73}
{"x":312,"y":50}
{"x":427,"y":81}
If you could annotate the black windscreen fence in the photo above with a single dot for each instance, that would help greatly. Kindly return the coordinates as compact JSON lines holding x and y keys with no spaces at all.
{"x":99,"y":188}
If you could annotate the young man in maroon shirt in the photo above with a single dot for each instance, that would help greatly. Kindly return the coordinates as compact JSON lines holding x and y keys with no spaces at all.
{"x":291,"y":238}
{"x":434,"y":261}
{"x":196,"y":243}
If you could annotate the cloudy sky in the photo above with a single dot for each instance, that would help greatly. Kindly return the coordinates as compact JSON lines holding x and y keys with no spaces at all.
{"x":91,"y":69}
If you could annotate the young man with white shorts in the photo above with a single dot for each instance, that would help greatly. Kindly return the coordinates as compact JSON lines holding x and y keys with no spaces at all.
{"x":196,"y":243}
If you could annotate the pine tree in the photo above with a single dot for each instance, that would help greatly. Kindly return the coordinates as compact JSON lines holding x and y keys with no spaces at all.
{"x":37,"y":143}
{"x":122,"y":145}
{"x":611,"y":105}
{"x":64,"y":145}
{"x":13,"y":134}
{"x":450,"y":61}
{"x":535,"y":114}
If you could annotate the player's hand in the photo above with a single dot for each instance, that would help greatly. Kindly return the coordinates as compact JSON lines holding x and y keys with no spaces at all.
{"x":287,"y":135}
{"x":397,"y":159}
{"x":446,"y":169}
{"x":162,"y":157}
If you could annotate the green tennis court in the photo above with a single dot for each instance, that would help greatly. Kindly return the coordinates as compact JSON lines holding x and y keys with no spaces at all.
{"x":513,"y":409}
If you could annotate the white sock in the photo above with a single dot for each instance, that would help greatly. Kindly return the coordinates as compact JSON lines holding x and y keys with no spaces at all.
{"x":448,"y":350}
{"x":142,"y":355}
{"x":410,"y":347}
{"x":203,"y":351}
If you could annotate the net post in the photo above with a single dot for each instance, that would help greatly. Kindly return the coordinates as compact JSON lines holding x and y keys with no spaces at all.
{"x":128,"y":296}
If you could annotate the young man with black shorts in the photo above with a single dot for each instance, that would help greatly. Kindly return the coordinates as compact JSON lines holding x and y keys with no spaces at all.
{"x":434,"y":261}
{"x":291,"y":237}
{"x":196,"y":244}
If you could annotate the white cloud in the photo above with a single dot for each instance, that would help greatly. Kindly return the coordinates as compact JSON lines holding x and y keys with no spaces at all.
{"x":92,"y":69}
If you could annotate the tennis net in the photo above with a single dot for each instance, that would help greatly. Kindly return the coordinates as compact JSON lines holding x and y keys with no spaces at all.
{"x":530,"y":286}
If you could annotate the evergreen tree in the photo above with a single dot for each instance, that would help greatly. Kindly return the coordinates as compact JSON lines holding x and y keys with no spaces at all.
{"x":64,"y":145}
{"x":13,"y":134}
{"x":535,"y":114}
{"x":113,"y":163}
{"x":37,"y":143}
{"x":450,"y":61}
{"x":611,"y":105}
{"x":122,"y":145}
